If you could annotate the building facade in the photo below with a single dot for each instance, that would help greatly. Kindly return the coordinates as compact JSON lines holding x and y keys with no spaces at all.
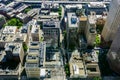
{"x":90,"y":30}
{"x":112,"y":22}
{"x":113,"y":54}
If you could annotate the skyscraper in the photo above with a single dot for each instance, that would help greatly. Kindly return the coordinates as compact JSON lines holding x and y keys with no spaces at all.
{"x":112,"y":22}
{"x":90,"y":30}
{"x":113,"y":55}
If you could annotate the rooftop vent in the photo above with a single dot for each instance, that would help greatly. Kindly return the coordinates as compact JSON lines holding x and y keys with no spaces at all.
{"x":73,"y":20}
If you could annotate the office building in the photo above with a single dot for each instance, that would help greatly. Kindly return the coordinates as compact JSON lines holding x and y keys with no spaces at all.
{"x":14,"y":50}
{"x":82,"y":24}
{"x":2,"y":20}
{"x":11,"y":61}
{"x":72,"y":29}
{"x":7,"y":35}
{"x":112,"y":22}
{"x":51,"y":31}
{"x":36,"y":33}
{"x":90,"y":30}
{"x":12,"y":34}
{"x":35,"y":59}
{"x":113,"y":54}
{"x":23,"y":17}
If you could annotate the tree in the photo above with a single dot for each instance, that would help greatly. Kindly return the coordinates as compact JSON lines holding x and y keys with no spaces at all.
{"x":27,"y":9}
{"x":14,"y":22}
{"x":25,"y":47}
{"x":97,"y":78}
{"x":97,"y":40}
{"x":67,"y":70}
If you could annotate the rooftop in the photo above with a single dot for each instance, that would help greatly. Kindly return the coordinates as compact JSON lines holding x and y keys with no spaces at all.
{"x":35,"y":29}
{"x":51,"y":24}
{"x":19,"y":37}
{"x":2,"y":5}
{"x":15,"y":47}
{"x":92,"y":18}
{"x":72,"y":20}
{"x":83,"y":18}
{"x":22,"y":15}
{"x":21,"y":7}
{"x":90,"y":57}
{"x":49,"y":5}
{"x":35,"y":55}
{"x":96,"y":5}
{"x":78,"y":6}
{"x":77,"y":67}
{"x":12,"y":4}
{"x":10,"y":29}
{"x":7,"y":37}
{"x":93,"y":69}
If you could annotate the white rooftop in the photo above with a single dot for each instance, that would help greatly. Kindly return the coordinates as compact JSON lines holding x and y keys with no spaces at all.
{"x":79,"y":6}
{"x":10,"y":29}
{"x":96,"y":4}
{"x":22,"y":15}
{"x":42,"y":72}
{"x":92,"y":18}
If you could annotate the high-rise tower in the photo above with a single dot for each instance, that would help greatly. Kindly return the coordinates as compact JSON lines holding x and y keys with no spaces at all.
{"x":113,"y":55}
{"x":112,"y":22}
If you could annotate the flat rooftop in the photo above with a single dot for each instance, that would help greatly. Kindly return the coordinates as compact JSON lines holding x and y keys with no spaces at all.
{"x":77,"y":67}
{"x":35,"y":55}
{"x":83,"y":18}
{"x":72,"y":20}
{"x":16,"y":48}
{"x":92,"y":18}
{"x":51,"y":24}
{"x":10,"y":29}
{"x":78,"y":6}
{"x":22,"y":15}
{"x":96,"y":5}
{"x":7,"y":37}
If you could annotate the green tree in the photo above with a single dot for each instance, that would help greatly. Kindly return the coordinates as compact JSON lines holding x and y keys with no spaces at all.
{"x":97,"y":78}
{"x":14,"y":22}
{"x":97,"y":40}
{"x":25,"y":47}
{"x":67,"y":70}
{"x":27,"y":9}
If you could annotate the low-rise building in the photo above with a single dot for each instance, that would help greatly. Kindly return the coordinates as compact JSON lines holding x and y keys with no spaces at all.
{"x":91,"y":62}
{"x":23,"y":17}
{"x":54,"y":65}
{"x":72,"y":29}
{"x":77,"y":66}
